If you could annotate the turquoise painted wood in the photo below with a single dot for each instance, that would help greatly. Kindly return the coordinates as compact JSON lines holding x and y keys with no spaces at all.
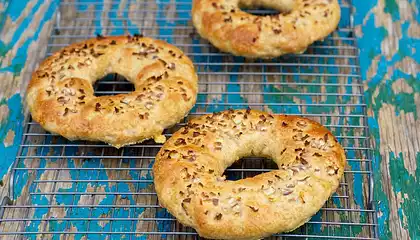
{"x":388,"y":34}
{"x":389,"y":37}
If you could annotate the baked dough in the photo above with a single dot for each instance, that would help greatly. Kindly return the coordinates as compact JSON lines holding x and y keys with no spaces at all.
{"x":61,"y":97}
{"x":300,"y":23}
{"x":189,"y":183}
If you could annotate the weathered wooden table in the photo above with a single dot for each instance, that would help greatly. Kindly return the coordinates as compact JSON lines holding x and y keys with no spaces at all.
{"x":52,"y":175}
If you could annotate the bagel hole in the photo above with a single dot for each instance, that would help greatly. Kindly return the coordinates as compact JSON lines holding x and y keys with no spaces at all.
{"x":112,"y":84}
{"x":249,"y":167}
{"x":267,"y":7}
{"x":261,"y":11}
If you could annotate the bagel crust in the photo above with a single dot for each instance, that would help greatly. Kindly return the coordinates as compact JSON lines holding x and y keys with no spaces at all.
{"x":300,"y":23}
{"x":61,"y":97}
{"x":189,"y":183}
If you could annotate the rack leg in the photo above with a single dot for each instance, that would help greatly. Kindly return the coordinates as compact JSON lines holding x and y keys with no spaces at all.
{"x":6,"y":201}
{"x":57,"y":22}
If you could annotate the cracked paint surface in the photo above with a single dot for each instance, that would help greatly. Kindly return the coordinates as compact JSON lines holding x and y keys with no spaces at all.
{"x":388,"y":43}
{"x":388,"y":35}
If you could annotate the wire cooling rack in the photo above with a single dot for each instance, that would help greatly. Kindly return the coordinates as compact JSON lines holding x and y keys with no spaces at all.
{"x":87,"y":190}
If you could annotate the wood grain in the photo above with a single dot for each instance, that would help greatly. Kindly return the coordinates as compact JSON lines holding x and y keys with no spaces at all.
{"x":387,"y":32}
{"x":20,"y":50}
{"x":388,"y":35}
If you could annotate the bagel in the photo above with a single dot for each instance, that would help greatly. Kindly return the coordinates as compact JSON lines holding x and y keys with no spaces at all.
{"x":61,"y":98}
{"x":189,"y":183}
{"x":299,"y":24}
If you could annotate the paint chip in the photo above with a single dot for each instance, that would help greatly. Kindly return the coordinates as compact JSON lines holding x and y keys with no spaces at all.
{"x":10,"y":137}
{"x":4,"y":112}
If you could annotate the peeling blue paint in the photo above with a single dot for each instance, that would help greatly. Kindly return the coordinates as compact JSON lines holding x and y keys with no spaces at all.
{"x":14,"y":9}
{"x":380,"y":92}
{"x":370,"y":46}
{"x":19,"y":60}
{"x":13,"y":122}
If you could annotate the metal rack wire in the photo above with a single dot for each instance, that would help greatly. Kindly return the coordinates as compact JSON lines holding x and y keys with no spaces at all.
{"x":86,"y":190}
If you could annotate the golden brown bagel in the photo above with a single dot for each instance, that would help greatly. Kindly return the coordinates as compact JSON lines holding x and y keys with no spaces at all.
{"x":61,"y":97}
{"x":300,"y":23}
{"x":189,"y":167}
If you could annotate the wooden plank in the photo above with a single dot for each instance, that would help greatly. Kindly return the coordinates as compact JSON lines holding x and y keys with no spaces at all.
{"x":390,"y":221}
{"x":22,"y":41}
{"x":101,"y":24}
{"x":389,"y":33}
